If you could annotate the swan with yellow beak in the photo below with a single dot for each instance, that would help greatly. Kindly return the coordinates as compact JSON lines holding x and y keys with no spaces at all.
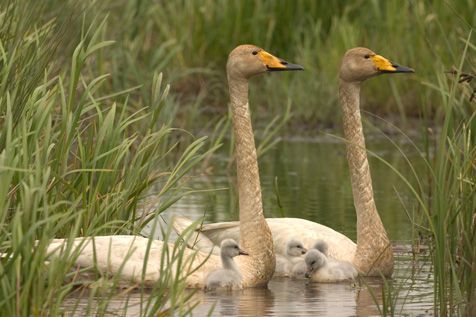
{"x":372,"y":254}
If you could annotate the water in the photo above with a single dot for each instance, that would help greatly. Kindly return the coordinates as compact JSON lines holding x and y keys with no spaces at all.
{"x":313,"y":183}
{"x":287,"y":297}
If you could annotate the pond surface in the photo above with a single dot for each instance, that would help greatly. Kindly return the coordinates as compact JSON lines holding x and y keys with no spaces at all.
{"x":309,"y":179}
{"x":287,"y":297}
{"x":313,"y":183}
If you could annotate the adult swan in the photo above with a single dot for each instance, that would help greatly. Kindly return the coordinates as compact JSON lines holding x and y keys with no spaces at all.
{"x":372,"y":255}
{"x":125,"y":255}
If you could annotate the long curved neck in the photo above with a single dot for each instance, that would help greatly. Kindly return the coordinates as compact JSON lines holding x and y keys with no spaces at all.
{"x":374,"y":253}
{"x":255,"y":234}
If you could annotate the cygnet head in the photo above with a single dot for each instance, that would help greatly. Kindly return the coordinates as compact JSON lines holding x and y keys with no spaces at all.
{"x":230,"y":248}
{"x":322,"y":246}
{"x":360,"y":63}
{"x":314,"y":261}
{"x":246,"y":61}
{"x":295,"y":248}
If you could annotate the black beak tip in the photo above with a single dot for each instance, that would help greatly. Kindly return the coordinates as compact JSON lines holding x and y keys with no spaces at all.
{"x":294,"y":67}
{"x":288,"y":67}
{"x":403,"y":69}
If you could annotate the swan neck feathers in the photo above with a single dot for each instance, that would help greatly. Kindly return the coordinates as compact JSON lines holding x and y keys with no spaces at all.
{"x":373,"y":252}
{"x":255,"y":235}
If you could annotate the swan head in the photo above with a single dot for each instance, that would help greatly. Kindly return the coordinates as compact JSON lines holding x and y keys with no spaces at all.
{"x":295,"y":248}
{"x":249,"y":60}
{"x":230,"y":248}
{"x":322,"y":246}
{"x":360,"y":63}
{"x":314,"y":260}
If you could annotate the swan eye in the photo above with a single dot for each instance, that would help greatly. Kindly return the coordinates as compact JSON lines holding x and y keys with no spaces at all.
{"x":254,"y":52}
{"x":367,"y":56}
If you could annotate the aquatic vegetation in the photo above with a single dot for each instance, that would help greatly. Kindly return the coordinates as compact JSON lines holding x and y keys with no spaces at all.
{"x":321,"y":33}
{"x":77,"y":158}
{"x":451,"y":198}
{"x":189,"y":41}
{"x":445,"y":193}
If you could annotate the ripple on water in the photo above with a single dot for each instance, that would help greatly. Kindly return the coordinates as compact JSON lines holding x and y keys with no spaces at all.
{"x":287,"y":297}
{"x":313,"y":184}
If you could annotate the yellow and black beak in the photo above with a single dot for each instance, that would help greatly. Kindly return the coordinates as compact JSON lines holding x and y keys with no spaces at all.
{"x":383,"y":65}
{"x":274,"y":63}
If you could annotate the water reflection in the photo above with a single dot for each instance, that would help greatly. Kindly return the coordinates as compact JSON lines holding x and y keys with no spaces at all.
{"x":313,"y":183}
{"x":410,"y":294}
{"x":248,"y":302}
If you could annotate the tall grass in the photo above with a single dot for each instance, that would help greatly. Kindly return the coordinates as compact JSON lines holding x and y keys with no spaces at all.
{"x":452,"y":198}
{"x":316,"y":35}
{"x":77,"y":155}
{"x":190,"y":40}
{"x":445,"y":191}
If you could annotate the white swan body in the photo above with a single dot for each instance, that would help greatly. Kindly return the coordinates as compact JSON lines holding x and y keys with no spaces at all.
{"x":194,"y":239}
{"x":228,"y":277}
{"x":125,"y":256}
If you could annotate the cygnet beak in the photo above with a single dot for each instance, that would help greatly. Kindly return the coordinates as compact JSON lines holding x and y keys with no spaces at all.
{"x":308,"y":274}
{"x":242,"y":252}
